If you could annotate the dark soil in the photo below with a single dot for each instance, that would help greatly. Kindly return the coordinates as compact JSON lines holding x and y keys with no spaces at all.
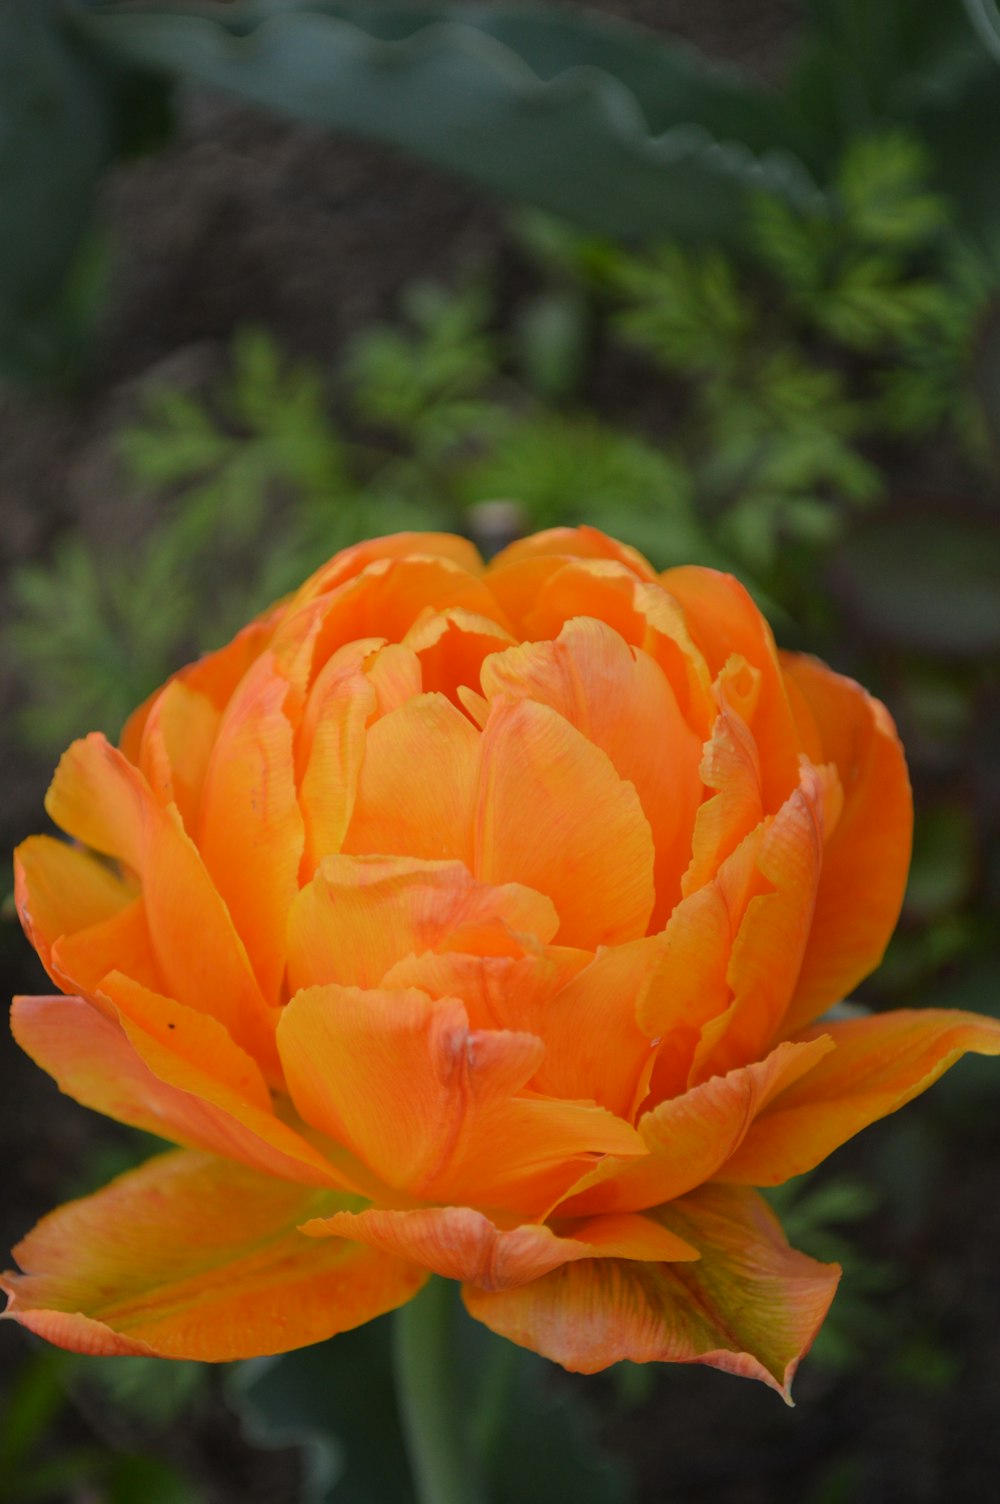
{"x":247,"y":220}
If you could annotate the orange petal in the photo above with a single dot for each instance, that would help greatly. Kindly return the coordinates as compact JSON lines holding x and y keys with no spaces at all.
{"x":60,"y":889}
{"x":572,"y":543}
{"x":251,"y":834}
{"x":459,"y":1243}
{"x":350,"y":562}
{"x":115,"y":1067}
{"x":730,"y":766}
{"x":640,"y":611}
{"x":691,"y":1138}
{"x":768,"y":947}
{"x":500,"y":991}
{"x":452,"y":646}
{"x":878,"y":1065}
{"x":361,"y":914}
{"x":192,"y":1257}
{"x":723,"y":620}
{"x":176,"y":747}
{"x":428,"y":1104}
{"x":868,"y":854}
{"x":622,"y":702}
{"x":389,"y":595}
{"x":750,"y":1305}
{"x":416,"y":793}
{"x":101,"y":799}
{"x":555,"y":815}
{"x":594,"y":1047}
{"x":120,"y":943}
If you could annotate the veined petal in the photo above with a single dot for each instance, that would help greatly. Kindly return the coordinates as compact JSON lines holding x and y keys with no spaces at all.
{"x":638,"y":609}
{"x":622,"y":702}
{"x":878,"y":1065}
{"x":59,"y":889}
{"x":114,"y":1066}
{"x":723,"y":621}
{"x":770,"y":941}
{"x":749,"y":1305}
{"x":176,"y":747}
{"x":388,"y":596}
{"x":192,"y":1257}
{"x":251,"y":835}
{"x":563,"y":543}
{"x":403,"y":1082}
{"x":692,"y":1137}
{"x":867,"y":856}
{"x":350,"y":562}
{"x":361,"y":914}
{"x":452,"y":646}
{"x":730,"y":766}
{"x":101,"y":799}
{"x":539,"y":786}
{"x":417,"y":788}
{"x":462,"y":1244}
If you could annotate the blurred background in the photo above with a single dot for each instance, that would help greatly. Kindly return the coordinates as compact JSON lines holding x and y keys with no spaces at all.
{"x":721,"y":277}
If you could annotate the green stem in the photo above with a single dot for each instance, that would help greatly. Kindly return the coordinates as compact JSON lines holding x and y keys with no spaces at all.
{"x":429,"y":1393}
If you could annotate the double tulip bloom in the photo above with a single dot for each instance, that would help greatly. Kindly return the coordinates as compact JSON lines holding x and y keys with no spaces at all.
{"x":474,"y":922}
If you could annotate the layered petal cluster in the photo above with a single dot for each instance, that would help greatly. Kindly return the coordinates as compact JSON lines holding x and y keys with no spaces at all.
{"x":473,"y":921}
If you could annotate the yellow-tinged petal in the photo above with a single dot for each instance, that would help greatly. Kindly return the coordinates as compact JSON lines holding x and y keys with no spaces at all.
{"x":540,"y":784}
{"x":58,"y":889}
{"x":417,"y":789}
{"x":350,"y":562}
{"x":622,"y":702}
{"x":98,"y":797}
{"x":749,"y":1305}
{"x":113,"y":1065}
{"x":403,"y":1082}
{"x":867,"y":856}
{"x":462,"y":1244}
{"x":361,"y":914}
{"x":192,"y":1257}
{"x":121,"y":943}
{"x":692,"y":1137}
{"x":878,"y":1065}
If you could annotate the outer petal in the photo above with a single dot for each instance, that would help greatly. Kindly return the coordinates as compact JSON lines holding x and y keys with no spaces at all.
{"x":432,"y":1106}
{"x":116,"y":1067}
{"x":361,"y":914}
{"x":622,"y":702}
{"x":191,"y":1257}
{"x":750,"y":1305}
{"x":691,"y":1138}
{"x":540,"y":783}
{"x":572,"y":543}
{"x":101,"y":799}
{"x":868,"y":855}
{"x":459,"y":1243}
{"x":879,"y":1064}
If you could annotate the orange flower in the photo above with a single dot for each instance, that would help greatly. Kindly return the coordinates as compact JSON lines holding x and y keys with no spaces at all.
{"x":473,"y":922}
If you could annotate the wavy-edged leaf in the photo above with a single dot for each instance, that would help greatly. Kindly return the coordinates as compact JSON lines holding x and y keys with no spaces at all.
{"x":607,"y":125}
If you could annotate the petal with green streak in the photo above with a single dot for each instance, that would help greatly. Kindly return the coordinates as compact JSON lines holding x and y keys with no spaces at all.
{"x":190,"y":1256}
{"x":751,"y":1305}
